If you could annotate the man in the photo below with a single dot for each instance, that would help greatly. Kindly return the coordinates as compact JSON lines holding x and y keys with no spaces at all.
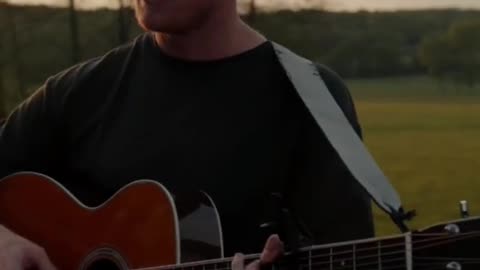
{"x":200,"y":101}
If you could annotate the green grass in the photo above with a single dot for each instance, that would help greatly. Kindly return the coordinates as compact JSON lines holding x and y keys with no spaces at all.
{"x":410,"y":88}
{"x":427,"y":144}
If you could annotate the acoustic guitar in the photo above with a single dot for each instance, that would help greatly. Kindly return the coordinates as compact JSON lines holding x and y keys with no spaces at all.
{"x":144,"y":227}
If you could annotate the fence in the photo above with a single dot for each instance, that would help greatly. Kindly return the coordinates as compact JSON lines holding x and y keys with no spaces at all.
{"x":39,"y":41}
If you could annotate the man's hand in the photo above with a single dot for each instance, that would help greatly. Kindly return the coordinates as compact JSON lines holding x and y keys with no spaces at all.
{"x":272,"y":251}
{"x":17,"y":253}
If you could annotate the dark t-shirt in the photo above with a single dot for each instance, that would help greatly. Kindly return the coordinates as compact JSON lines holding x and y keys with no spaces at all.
{"x":234,"y":128}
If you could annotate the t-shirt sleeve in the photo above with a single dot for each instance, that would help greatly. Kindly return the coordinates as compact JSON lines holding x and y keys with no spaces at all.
{"x":29,"y":136}
{"x":38,"y":132}
{"x":325,"y":197}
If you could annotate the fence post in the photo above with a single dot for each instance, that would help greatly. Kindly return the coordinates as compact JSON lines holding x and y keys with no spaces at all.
{"x":15,"y":60}
{"x":74,"y":32}
{"x":122,"y":23}
{"x":3,"y":53}
{"x":3,"y":90}
{"x":252,"y":11}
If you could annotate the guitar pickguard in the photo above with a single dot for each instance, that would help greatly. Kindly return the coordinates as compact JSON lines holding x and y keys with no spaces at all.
{"x":200,"y":227}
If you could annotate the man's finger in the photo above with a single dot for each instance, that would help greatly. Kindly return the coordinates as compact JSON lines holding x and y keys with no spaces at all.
{"x":238,"y":262}
{"x":255,"y":265}
{"x":10,"y":266}
{"x":273,"y":250}
{"x":46,"y":265}
{"x":41,"y":260}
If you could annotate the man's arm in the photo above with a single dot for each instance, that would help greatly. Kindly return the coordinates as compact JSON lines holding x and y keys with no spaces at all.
{"x":27,"y":142}
{"x":29,"y":135}
{"x":323,"y":194}
{"x":35,"y":133}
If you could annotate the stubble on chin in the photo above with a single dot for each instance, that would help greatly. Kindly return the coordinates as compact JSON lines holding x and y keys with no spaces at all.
{"x":176,"y":25}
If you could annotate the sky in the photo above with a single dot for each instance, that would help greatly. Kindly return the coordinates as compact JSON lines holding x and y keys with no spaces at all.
{"x":330,"y":4}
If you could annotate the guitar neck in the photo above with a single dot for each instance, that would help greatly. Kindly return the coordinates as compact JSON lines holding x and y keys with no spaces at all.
{"x":381,"y":253}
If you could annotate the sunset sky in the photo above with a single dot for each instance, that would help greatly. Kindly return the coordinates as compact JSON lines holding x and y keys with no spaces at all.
{"x":331,"y":4}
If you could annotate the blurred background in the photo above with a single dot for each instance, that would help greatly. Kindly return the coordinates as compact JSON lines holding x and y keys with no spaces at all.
{"x":413,"y":68}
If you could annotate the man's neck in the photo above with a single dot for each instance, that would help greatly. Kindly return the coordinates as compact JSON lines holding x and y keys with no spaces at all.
{"x":216,"y":39}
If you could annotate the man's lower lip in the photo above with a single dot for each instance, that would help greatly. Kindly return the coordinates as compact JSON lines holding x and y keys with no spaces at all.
{"x":151,"y":2}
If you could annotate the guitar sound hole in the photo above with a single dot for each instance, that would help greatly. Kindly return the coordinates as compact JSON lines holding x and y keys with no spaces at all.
{"x":103,"y":264}
{"x":104,"y":259}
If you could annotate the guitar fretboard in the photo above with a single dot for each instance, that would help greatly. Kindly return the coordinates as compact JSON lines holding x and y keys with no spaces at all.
{"x":376,"y":254}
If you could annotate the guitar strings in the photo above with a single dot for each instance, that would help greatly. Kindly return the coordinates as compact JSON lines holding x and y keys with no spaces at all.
{"x":463,"y":261}
{"x":337,"y":262}
{"x":384,"y":267}
{"x":441,"y":265}
{"x":441,"y":259}
{"x":402,"y":245}
{"x":448,"y":259}
{"x":446,"y":239}
{"x":450,"y":240}
{"x":400,"y":252}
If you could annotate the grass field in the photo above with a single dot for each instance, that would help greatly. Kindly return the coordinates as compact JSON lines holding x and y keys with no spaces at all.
{"x":426,"y":142}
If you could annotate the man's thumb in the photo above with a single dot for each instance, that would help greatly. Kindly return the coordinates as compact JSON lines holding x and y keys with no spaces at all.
{"x":273,"y":249}
{"x":41,"y":261}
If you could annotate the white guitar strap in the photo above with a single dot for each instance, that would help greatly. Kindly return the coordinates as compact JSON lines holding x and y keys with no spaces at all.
{"x":336,"y":127}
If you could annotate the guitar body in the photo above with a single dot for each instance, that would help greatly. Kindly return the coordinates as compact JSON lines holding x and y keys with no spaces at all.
{"x":143,"y":225}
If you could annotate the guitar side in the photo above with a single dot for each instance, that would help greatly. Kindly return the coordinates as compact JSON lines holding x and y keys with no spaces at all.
{"x":142,"y":225}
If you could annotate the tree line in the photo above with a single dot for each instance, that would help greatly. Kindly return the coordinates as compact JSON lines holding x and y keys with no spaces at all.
{"x":374,"y":44}
{"x":454,"y":54}
{"x":37,"y":42}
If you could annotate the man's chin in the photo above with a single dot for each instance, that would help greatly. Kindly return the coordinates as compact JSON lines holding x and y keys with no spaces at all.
{"x":161,"y":26}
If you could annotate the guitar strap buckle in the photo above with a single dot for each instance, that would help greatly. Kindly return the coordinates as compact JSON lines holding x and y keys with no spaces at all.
{"x":400,"y":217}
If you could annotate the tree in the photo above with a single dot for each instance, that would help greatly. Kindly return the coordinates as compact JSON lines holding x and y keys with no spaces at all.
{"x":368,"y":54}
{"x":436,"y":54}
{"x":454,"y":55}
{"x":464,"y":38}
